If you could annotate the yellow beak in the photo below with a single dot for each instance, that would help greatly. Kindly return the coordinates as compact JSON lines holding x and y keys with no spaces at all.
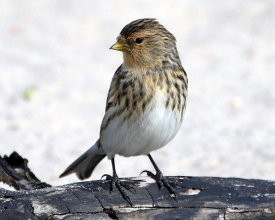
{"x":118,"y":46}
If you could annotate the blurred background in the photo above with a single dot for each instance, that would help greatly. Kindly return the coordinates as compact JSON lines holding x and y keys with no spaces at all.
{"x":56,"y":68}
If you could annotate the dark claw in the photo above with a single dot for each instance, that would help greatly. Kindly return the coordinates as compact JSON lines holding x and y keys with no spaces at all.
{"x":128,"y":187}
{"x":109,"y":177}
{"x":149,"y":173}
{"x":158,"y":177}
{"x":161,"y":181}
{"x":170,"y":189}
{"x":120,"y":185}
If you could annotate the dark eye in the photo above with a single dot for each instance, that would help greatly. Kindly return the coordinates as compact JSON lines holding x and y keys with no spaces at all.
{"x":139,"y":40}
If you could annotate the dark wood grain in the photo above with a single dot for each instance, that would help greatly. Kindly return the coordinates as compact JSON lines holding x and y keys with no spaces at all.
{"x":197,"y":198}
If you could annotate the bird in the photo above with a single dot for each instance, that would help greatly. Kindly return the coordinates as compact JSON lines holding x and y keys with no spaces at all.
{"x":145,"y":104}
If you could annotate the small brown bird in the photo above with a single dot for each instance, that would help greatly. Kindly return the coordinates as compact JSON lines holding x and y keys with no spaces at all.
{"x":145,"y":104}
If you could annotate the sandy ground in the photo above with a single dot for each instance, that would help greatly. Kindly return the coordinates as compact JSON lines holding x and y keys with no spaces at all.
{"x":55,"y":71}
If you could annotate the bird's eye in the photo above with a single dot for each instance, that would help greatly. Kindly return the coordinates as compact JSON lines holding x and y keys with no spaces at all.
{"x":139,"y":40}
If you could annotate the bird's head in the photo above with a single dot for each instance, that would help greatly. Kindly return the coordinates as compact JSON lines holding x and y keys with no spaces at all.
{"x":146,"y":44}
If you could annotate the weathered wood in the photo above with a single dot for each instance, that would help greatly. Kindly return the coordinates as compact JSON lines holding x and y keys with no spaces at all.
{"x":197,"y":198}
{"x":15,"y":172}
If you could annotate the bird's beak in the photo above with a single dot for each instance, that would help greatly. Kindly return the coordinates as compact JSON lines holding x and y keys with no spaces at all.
{"x":118,"y":46}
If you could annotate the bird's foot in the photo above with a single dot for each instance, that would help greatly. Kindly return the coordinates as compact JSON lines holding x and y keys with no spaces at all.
{"x":161,"y":181}
{"x":120,"y":185}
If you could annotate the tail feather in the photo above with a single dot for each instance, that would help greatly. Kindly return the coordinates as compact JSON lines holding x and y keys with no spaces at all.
{"x":86,"y":163}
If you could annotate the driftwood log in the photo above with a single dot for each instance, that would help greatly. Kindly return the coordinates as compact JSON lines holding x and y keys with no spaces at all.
{"x":197,"y":198}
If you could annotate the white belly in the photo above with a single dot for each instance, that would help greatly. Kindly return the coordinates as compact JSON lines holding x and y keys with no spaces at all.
{"x":139,"y":136}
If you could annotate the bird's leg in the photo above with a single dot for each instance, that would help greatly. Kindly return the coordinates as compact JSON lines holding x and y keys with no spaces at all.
{"x":116,"y":182}
{"x":161,"y":181}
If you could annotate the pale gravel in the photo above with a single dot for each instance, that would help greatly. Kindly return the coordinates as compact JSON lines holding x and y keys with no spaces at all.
{"x":60,"y":47}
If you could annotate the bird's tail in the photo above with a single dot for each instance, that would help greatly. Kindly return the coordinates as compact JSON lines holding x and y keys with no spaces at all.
{"x":86,"y":163}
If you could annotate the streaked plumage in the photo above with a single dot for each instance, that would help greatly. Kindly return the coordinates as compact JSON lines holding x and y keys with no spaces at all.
{"x":146,"y":100}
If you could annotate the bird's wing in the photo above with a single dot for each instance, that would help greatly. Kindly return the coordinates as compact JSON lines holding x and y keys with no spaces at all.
{"x":113,"y":88}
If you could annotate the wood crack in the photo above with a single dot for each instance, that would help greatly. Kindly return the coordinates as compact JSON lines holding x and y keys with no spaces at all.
{"x":197,"y":197}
